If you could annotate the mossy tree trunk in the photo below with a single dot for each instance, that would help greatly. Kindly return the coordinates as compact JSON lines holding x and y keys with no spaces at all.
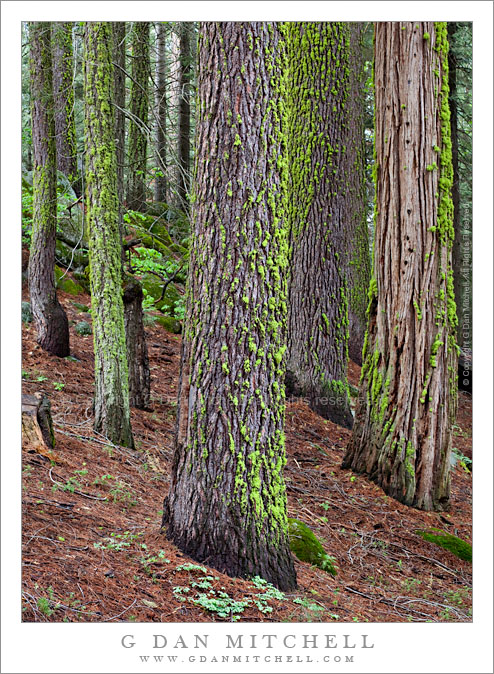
{"x":227,"y":500}
{"x":184,"y":113}
{"x":356,"y":249}
{"x":160,"y":185}
{"x":407,"y":405}
{"x":119,"y":34}
{"x":319,"y":181}
{"x":49,"y":316}
{"x":138,"y":124}
{"x":137,"y":353}
{"x":112,"y":413}
{"x":63,"y":89}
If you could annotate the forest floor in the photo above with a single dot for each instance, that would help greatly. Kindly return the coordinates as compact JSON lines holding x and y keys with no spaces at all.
{"x":92,"y":547}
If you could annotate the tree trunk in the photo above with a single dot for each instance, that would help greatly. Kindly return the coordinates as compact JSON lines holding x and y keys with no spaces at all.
{"x":227,"y":500}
{"x":137,"y":353}
{"x":63,"y":89}
{"x":356,"y":249}
{"x":319,"y":175}
{"x":112,"y":414}
{"x":138,"y":124}
{"x":49,"y":316}
{"x":184,"y":114}
{"x":119,"y":106}
{"x":407,"y":405}
{"x":160,"y":185}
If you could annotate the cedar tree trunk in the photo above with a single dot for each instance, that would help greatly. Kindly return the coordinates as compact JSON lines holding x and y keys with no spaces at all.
{"x":407,"y":405}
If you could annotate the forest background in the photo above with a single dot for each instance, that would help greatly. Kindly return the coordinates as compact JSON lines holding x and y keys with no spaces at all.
{"x":9,"y":307}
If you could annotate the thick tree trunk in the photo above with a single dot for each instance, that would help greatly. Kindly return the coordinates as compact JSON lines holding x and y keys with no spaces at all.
{"x":63,"y":89}
{"x":184,"y":114}
{"x":138,"y":124}
{"x":137,"y":353}
{"x":119,"y":106}
{"x":160,"y":185}
{"x":407,"y":405}
{"x":112,"y":414}
{"x":319,"y":181}
{"x":49,"y":316}
{"x":227,"y":500}
{"x":358,"y":260}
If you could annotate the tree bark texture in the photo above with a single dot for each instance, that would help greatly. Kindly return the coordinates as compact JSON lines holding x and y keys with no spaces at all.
{"x":227,"y":500}
{"x":119,"y":106}
{"x":356,"y":248}
{"x":49,"y":316}
{"x":137,"y":353}
{"x":407,"y":405}
{"x":160,"y":185}
{"x":112,"y":414}
{"x":63,"y":89}
{"x":184,"y":113}
{"x":138,"y":124}
{"x":319,"y":182}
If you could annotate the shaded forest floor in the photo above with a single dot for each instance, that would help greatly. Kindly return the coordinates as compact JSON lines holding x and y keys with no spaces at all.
{"x":92,"y":550}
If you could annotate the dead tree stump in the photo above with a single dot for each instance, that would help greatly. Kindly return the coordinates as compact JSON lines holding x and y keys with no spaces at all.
{"x":37,"y":426}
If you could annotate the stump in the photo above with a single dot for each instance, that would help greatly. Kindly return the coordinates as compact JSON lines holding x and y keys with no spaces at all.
{"x":37,"y":426}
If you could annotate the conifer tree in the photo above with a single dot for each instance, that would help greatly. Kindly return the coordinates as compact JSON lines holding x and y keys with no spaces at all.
{"x":407,"y":405}
{"x":112,"y":414}
{"x":227,"y":501}
{"x":327,"y":208}
{"x":49,"y":316}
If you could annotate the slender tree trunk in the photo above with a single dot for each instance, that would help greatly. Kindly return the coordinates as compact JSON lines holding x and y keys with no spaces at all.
{"x":138,"y":125}
{"x":356,"y":249}
{"x":407,"y":405}
{"x":319,"y":182}
{"x":184,"y":114}
{"x":112,"y":414}
{"x":160,"y":185}
{"x":137,"y":353}
{"x":227,"y":501}
{"x":49,"y":316}
{"x":63,"y":88}
{"x":119,"y":106}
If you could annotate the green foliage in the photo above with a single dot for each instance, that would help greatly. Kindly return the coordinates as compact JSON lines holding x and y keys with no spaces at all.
{"x":455,"y":545}
{"x":305,"y":545}
{"x":26,"y":312}
{"x":83,"y":328}
{"x":118,"y":542}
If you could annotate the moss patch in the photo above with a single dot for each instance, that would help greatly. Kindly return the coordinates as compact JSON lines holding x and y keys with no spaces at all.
{"x":67,"y":284}
{"x":456,"y":545}
{"x":170,"y":324}
{"x":305,"y":545}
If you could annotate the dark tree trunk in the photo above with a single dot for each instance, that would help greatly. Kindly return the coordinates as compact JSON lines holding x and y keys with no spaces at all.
{"x":49,"y":316}
{"x":63,"y":89}
{"x":227,"y":499}
{"x":184,"y":114}
{"x":160,"y":185}
{"x":112,"y":413}
{"x":317,"y":194}
{"x":119,"y":106}
{"x":407,"y":404}
{"x":356,"y":249}
{"x":138,"y":124}
{"x":137,"y":353}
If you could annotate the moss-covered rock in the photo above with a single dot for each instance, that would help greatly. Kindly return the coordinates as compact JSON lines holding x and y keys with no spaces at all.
{"x":26,"y":312}
{"x":83,"y":328}
{"x":453,"y":544}
{"x":66,"y":284}
{"x":68,"y":256}
{"x":81,"y":308}
{"x":305,"y":545}
{"x":152,"y":287}
{"x":170,"y":324}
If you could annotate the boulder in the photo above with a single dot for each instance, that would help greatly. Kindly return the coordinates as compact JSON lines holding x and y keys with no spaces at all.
{"x":305,"y":546}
